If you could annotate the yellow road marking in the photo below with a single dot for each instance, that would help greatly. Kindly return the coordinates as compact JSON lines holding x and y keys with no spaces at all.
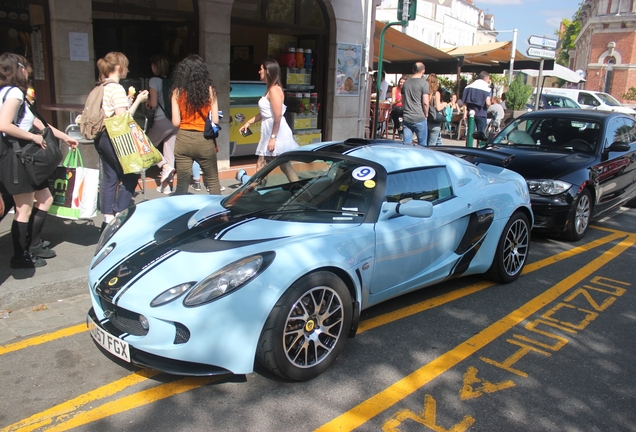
{"x":390,"y":317}
{"x":38,"y":340}
{"x":133,"y":401}
{"x":64,"y":409}
{"x":376,"y":404}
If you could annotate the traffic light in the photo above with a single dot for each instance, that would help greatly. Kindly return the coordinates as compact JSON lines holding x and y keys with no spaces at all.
{"x":410,"y":13}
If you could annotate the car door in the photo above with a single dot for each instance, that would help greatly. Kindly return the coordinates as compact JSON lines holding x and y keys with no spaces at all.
{"x":408,"y":248}
{"x":614,"y":174}
{"x":587,"y":100}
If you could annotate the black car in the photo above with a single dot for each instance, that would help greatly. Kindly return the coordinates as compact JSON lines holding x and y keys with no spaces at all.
{"x":579,"y":164}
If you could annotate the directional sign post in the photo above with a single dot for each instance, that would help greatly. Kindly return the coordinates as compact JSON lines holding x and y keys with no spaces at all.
{"x":543,"y":48}
{"x":542,"y":42}
{"x":542,"y":53}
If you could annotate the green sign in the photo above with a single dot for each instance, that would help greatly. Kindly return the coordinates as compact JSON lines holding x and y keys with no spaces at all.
{"x":411,"y":10}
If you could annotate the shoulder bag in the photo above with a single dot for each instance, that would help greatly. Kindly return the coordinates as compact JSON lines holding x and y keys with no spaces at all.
{"x":39,"y":163}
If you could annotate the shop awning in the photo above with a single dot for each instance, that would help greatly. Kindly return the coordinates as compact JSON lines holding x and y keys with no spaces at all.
{"x":401,"y":51}
{"x":495,"y":58}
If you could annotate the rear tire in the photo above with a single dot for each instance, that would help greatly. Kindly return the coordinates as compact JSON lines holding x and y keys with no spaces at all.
{"x":308,"y":328}
{"x":579,"y":217}
{"x":512,"y":250}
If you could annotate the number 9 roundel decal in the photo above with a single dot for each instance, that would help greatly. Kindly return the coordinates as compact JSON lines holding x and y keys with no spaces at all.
{"x":363,"y":173}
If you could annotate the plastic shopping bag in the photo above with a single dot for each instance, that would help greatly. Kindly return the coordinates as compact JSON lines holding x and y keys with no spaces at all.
{"x":74,"y":189}
{"x":132,"y":146}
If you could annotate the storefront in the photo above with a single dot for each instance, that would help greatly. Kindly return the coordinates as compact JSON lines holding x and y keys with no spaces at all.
{"x":233,"y":36}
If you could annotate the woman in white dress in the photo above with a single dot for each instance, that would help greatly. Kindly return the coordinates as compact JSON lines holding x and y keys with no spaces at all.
{"x":276,"y":136}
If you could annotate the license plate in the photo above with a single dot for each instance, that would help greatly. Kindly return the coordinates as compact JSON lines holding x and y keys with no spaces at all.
{"x":110,"y":343}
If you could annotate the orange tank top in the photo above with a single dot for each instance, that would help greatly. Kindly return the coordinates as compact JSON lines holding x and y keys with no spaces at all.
{"x":191,"y":121}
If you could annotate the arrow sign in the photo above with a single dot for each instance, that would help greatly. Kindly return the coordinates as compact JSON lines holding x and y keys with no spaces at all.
{"x":542,"y":53}
{"x":542,"y":42}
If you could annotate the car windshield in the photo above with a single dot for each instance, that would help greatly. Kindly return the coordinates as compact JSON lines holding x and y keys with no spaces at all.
{"x":608,"y":99}
{"x":307,"y":188}
{"x":567,"y":134}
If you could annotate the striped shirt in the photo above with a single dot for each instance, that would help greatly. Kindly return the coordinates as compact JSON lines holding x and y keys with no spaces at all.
{"x":114,"y":97}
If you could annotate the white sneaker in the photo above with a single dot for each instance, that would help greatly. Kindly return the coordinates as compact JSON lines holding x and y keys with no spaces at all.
{"x":167,"y":190}
{"x":165,"y":174}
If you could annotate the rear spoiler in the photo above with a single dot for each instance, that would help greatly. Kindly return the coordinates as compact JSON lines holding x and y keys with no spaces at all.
{"x":470,"y":154}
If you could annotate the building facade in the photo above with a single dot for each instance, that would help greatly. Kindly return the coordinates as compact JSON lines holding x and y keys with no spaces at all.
{"x":64,"y":38}
{"x":606,"y":46}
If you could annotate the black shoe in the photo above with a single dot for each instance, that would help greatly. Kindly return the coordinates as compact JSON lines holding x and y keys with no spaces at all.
{"x":27,"y":261}
{"x":42,"y":252}
{"x":103,"y":227}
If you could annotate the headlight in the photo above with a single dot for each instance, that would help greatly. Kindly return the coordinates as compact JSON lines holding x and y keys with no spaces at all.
{"x":113,"y":226}
{"x":171,"y":294}
{"x":228,"y":279}
{"x":548,"y":187}
{"x":103,"y":255}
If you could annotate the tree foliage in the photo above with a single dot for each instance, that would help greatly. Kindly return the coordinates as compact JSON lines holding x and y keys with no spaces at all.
{"x":630,"y":95}
{"x":518,"y":94}
{"x":571,"y":32}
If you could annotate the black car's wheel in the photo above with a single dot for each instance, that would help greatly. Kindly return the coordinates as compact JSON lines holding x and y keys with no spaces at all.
{"x":307,"y":328}
{"x":579,"y":217}
{"x":512,"y":250}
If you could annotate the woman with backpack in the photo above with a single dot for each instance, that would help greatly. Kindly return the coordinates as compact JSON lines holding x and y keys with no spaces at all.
{"x":116,"y":188}
{"x":16,"y":122}
{"x":162,"y":129}
{"x":193,"y":99}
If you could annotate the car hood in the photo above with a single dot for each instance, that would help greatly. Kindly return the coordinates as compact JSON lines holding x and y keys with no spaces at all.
{"x":543,"y":163}
{"x":187,"y":238}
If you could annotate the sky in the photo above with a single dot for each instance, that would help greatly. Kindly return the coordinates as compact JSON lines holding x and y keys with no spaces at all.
{"x":529,"y":17}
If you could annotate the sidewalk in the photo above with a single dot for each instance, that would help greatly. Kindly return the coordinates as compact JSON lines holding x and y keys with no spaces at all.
{"x":56,"y":295}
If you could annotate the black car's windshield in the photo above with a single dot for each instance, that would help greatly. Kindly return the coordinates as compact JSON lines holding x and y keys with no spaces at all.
{"x":307,"y":189}
{"x":563,"y":133}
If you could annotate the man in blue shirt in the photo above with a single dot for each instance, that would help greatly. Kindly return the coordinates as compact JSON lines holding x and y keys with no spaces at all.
{"x":477,"y":97}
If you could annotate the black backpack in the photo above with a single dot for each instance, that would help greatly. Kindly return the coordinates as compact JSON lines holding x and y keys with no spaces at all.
{"x":166,"y":83}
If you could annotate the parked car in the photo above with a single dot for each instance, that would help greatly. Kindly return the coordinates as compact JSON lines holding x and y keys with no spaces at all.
{"x":552,"y":101}
{"x":280,"y":270}
{"x":592,"y":100}
{"x":579,"y":164}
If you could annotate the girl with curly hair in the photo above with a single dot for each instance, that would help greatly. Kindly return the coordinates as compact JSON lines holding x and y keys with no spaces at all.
{"x":193,"y":99}
{"x":17,"y":122}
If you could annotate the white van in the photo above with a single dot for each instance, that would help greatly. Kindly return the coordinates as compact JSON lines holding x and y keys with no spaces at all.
{"x":591,"y":99}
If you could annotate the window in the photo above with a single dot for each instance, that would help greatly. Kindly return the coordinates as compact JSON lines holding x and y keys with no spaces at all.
{"x":431,"y":184}
{"x":587,"y":99}
{"x":621,"y":130}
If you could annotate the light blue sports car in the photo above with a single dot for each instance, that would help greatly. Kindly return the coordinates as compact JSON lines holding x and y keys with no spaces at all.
{"x":280,"y":270}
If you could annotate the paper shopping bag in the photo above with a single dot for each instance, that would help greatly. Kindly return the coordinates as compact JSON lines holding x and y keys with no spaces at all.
{"x":74,"y":189}
{"x":132,"y":146}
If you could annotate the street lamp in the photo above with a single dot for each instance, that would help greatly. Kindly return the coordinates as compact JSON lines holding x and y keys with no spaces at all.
{"x":514,"y":48}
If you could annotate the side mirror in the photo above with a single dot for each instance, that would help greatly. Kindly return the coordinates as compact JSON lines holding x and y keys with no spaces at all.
{"x":618,"y":146}
{"x":415,"y":208}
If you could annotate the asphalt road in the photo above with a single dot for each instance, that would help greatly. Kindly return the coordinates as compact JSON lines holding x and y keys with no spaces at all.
{"x":552,"y":351}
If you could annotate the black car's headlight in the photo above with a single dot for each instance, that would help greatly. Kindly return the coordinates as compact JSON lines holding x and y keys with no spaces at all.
{"x":113,"y":226}
{"x":548,"y":187}
{"x":229,"y":278}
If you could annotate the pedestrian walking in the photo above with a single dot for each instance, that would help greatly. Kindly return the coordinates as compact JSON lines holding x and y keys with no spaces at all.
{"x":16,"y":123}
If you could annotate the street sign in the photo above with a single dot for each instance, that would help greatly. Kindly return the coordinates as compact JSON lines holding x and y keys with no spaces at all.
{"x":542,"y":53}
{"x":542,"y":42}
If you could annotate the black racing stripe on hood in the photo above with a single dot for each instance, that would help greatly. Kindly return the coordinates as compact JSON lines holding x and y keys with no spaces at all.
{"x":173,"y":236}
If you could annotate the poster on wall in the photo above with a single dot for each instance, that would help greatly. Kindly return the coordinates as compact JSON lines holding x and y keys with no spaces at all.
{"x":38,"y":54}
{"x":348,"y":61}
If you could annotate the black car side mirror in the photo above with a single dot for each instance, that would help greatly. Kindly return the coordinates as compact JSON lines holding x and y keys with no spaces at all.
{"x":618,"y":146}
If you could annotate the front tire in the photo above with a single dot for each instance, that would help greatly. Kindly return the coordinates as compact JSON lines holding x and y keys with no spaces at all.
{"x":579,"y":217}
{"x":512,"y":250}
{"x":308,"y":327}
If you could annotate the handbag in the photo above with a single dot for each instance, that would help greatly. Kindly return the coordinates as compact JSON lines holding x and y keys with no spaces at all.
{"x":212,"y":129}
{"x":132,"y":146}
{"x":39,"y":163}
{"x":436,"y":116}
{"x":74,"y":189}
